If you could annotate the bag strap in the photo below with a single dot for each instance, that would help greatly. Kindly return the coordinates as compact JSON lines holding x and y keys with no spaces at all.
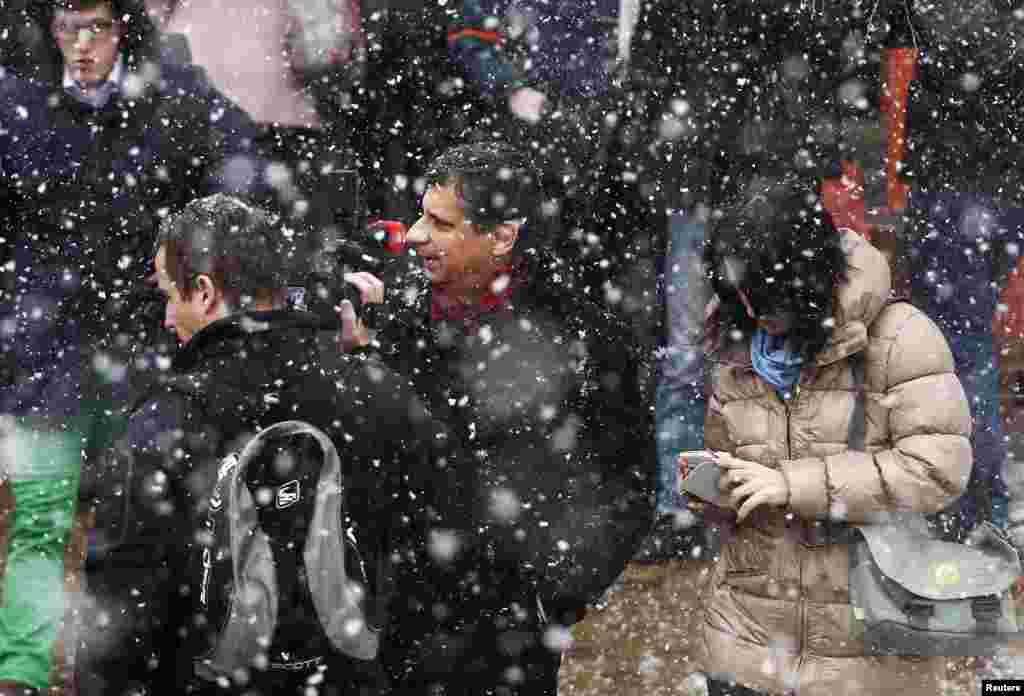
{"x":858,"y":421}
{"x":858,"y":365}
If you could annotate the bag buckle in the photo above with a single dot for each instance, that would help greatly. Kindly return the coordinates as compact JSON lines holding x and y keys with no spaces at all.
{"x":825,"y":532}
{"x":918,"y":611}
{"x":987,"y":609}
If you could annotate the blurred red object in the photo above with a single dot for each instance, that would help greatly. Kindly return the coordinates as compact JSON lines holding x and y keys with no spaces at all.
{"x":394,"y":234}
{"x":843,"y":196}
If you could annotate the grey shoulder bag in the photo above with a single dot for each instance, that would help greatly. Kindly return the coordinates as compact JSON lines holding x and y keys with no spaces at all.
{"x":912,"y":594}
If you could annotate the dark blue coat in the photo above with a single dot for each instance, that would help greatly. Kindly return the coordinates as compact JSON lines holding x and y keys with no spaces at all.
{"x":85,"y":190}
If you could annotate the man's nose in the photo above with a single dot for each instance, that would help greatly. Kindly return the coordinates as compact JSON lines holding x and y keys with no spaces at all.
{"x":84,"y":37}
{"x":418,"y":235}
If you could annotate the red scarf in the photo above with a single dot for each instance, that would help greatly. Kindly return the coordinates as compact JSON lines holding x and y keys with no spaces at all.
{"x":445,"y":307}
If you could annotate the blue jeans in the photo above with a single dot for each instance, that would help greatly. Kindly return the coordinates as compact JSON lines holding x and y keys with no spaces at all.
{"x":680,"y":400}
{"x":979,"y":373}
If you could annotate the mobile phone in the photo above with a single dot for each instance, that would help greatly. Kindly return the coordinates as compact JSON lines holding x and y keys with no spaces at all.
{"x":700,"y":474}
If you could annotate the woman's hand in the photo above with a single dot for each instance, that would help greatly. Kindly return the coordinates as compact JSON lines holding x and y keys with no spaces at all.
{"x":749,"y":485}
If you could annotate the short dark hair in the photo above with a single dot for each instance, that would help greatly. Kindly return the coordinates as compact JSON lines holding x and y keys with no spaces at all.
{"x":779,"y":245}
{"x":495,"y":181}
{"x":243,"y":248}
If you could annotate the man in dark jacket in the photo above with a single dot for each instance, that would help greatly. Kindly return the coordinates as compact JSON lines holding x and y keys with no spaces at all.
{"x":100,"y":139}
{"x":246,"y":363}
{"x":553,"y":395}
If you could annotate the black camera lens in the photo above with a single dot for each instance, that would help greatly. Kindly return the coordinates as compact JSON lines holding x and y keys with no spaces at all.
{"x":323,"y":295}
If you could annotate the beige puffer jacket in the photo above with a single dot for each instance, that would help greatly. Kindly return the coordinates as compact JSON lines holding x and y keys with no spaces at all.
{"x":777,"y":615}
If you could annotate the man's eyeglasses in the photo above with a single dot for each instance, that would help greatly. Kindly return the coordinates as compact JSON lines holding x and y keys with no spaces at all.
{"x":98,"y":29}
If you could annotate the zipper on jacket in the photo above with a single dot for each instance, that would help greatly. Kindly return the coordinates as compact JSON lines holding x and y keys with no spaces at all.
{"x":789,"y":428}
{"x":801,"y":601}
{"x":789,"y":432}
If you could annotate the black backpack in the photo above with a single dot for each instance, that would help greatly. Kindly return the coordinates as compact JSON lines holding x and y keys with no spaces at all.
{"x":278,"y":581}
{"x":281,"y":582}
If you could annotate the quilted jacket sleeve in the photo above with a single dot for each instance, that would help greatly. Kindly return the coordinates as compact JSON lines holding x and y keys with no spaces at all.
{"x":1015,"y":480}
{"x":716,"y":429}
{"x":919,"y":453}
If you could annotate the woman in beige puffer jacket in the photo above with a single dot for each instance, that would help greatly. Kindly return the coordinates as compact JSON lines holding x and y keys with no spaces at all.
{"x":777,"y":616}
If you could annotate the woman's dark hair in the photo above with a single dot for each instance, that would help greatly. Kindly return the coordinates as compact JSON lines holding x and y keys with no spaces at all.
{"x":780,"y":246}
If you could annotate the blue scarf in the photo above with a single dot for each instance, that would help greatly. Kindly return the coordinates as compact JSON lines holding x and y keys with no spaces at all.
{"x":774,"y":362}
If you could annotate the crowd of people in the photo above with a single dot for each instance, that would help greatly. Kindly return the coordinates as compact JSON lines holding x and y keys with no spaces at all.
{"x":251,"y":446}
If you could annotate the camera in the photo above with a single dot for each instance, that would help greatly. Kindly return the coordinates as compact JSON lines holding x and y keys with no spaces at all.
{"x":325,"y":287}
{"x":347,"y":243}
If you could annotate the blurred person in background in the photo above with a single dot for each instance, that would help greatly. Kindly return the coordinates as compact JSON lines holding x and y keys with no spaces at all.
{"x":102,"y":138}
{"x":667,"y":55}
{"x":964,"y":227}
{"x":363,"y":85}
{"x":267,"y":70}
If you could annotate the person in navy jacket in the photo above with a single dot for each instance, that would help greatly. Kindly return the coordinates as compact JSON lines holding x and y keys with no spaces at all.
{"x":100,"y":139}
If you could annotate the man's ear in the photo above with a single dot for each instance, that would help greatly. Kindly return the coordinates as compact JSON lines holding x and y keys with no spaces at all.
{"x":208,"y":293}
{"x":505,"y":237}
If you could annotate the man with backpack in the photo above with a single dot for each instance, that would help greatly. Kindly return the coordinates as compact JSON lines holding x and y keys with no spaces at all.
{"x":269,"y":482}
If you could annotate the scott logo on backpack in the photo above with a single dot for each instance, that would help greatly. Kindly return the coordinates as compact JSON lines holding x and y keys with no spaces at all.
{"x":281,"y":580}
{"x":288,"y":495}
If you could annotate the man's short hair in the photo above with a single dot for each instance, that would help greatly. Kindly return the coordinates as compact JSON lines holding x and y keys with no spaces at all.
{"x":243,"y":248}
{"x":495,"y":182}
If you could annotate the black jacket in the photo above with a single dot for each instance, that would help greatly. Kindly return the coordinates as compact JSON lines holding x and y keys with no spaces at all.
{"x":245,"y":373}
{"x":552,"y":396}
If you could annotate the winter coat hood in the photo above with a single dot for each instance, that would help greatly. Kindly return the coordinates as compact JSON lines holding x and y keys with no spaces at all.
{"x":859,"y":300}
